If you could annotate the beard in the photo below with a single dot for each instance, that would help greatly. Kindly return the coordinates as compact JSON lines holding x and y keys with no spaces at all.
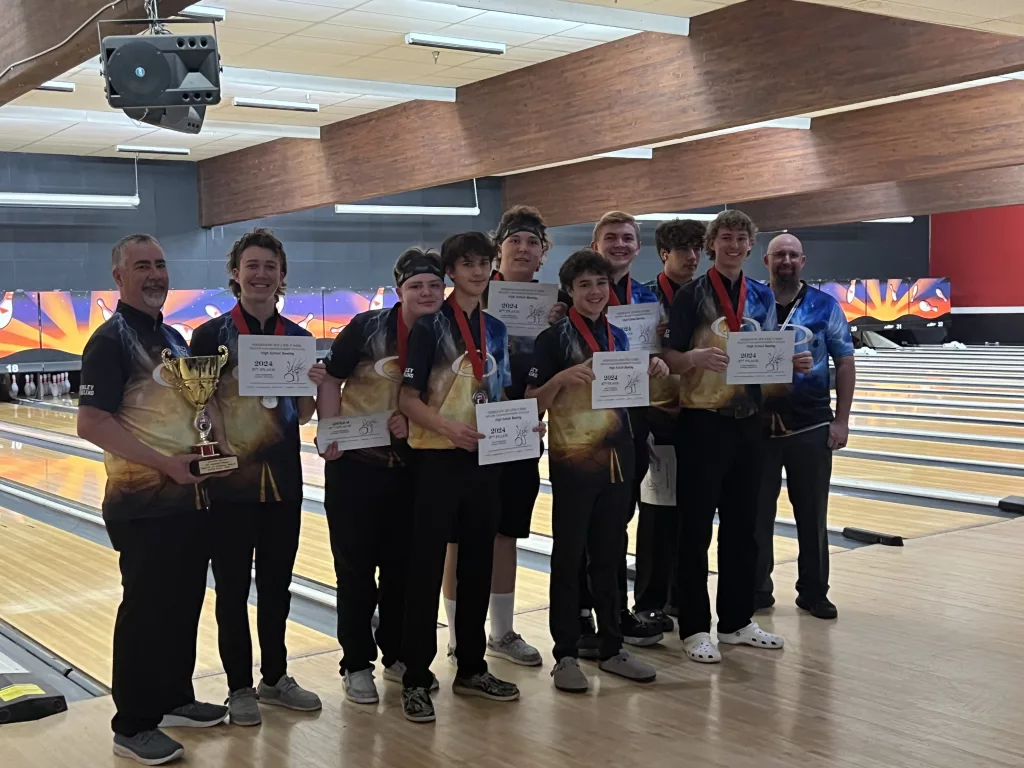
{"x":154,"y":296}
{"x":786,"y":283}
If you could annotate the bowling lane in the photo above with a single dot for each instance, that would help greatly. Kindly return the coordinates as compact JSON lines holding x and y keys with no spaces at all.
{"x":62,"y":591}
{"x":927,"y":449}
{"x":916,"y":387}
{"x":934,"y":478}
{"x":935,"y":410}
{"x":945,"y":399}
{"x":980,"y":431}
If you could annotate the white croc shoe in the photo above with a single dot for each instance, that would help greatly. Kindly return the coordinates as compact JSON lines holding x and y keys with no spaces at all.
{"x":754,"y":636}
{"x":699,"y":648}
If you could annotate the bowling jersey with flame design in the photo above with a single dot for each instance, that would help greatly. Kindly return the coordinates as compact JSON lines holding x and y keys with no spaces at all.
{"x":697,"y":321}
{"x":365,"y":357}
{"x":821,"y":329}
{"x":265,"y":440}
{"x":123,"y":375}
{"x":665,"y":391}
{"x":580,"y":436}
{"x":439,"y":369}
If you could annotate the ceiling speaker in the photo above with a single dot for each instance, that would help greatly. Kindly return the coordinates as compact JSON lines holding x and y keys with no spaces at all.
{"x":161,"y":71}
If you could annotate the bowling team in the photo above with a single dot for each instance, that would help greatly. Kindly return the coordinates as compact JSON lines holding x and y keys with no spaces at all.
{"x":421,"y":518}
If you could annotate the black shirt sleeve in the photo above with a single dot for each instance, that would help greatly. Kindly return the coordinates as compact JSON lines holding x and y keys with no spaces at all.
{"x":104,"y":374}
{"x":421,"y":353}
{"x":204,"y":340}
{"x":545,"y":362}
{"x":347,"y":349}
{"x":681,"y":321}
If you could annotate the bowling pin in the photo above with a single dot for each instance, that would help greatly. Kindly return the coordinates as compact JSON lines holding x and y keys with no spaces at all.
{"x":67,"y":383}
{"x":54,"y":386}
{"x":14,"y":385}
{"x":304,"y":324}
{"x":106,"y":311}
{"x":30,"y":387}
{"x":63,"y":383}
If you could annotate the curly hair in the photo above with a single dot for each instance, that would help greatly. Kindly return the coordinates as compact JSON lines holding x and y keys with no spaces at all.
{"x":580,"y":262}
{"x":258,"y":238}
{"x":731,"y":219}
{"x":680,"y":234}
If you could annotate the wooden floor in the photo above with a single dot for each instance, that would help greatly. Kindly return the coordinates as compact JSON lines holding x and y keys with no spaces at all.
{"x":923,"y":669}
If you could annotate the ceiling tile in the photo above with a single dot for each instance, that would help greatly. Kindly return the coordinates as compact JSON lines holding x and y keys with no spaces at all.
{"x":237,"y":21}
{"x":1003,"y":27}
{"x":355,"y":34}
{"x":230,"y":52}
{"x":421,"y":55}
{"x":324,"y":99}
{"x":371,"y":68}
{"x":359,"y":18}
{"x":986,"y":9}
{"x":1015,"y":19}
{"x":416,"y":9}
{"x":248,"y":36}
{"x":672,"y":7}
{"x":47,"y":147}
{"x":499,"y":63}
{"x":322,"y":45}
{"x":563,"y":44}
{"x":304,"y":62}
{"x":285,"y":9}
{"x":916,"y":13}
{"x":491,"y":34}
{"x":597,"y":32}
{"x":530,"y":55}
{"x":516,"y":23}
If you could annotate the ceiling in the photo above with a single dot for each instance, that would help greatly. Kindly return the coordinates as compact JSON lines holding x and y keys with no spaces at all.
{"x":341,"y":41}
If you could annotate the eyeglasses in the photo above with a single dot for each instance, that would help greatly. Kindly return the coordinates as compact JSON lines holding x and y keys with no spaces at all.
{"x":784,"y":254}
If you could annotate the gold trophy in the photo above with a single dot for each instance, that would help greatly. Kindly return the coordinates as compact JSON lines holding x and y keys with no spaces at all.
{"x":196,"y":378}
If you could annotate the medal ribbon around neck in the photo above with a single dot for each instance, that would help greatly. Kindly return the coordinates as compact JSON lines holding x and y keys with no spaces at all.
{"x":243,"y":327}
{"x":581,"y":326}
{"x":733,"y":317}
{"x":666,"y":287}
{"x":476,"y":358}
{"x":613,"y":297}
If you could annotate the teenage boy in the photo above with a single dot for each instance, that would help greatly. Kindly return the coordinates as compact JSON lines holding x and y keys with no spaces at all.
{"x":256,"y":510}
{"x":591,"y":460}
{"x":457,"y":359}
{"x":151,"y":509}
{"x":679,"y":243}
{"x":369,"y":492}
{"x":521,"y":237}
{"x":617,"y":238}
{"x":804,"y":431}
{"x":718,"y":441}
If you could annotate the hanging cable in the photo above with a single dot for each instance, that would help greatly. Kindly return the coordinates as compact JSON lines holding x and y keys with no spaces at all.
{"x":153,"y":14}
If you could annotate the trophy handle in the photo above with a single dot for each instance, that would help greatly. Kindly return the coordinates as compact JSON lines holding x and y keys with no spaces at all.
{"x":222,"y":352}
{"x":167,"y":358}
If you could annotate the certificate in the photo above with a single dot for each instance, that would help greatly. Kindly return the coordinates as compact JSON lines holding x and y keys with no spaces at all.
{"x":276,"y":365}
{"x":640,"y":324}
{"x":522,"y":307}
{"x":659,"y":487}
{"x":620,"y":380}
{"x":508,"y":427}
{"x":368,"y":430}
{"x":764,"y":357}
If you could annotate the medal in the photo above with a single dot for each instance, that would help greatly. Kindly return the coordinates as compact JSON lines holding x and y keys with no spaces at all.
{"x":477,"y":358}
{"x":733,"y":317}
{"x":479,"y":397}
{"x":269,"y":401}
{"x":581,"y":326}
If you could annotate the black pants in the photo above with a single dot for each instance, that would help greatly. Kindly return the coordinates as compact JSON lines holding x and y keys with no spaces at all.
{"x":657,"y":540}
{"x":163,"y":562}
{"x":369,"y":512}
{"x":808,"y":462}
{"x":453,"y":494}
{"x":270,"y":531}
{"x":719,"y":460}
{"x":588,"y":522}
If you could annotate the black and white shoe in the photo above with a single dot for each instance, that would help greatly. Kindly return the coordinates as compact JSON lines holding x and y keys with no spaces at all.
{"x":417,"y":706}
{"x":487,"y":686}
{"x":588,"y":646}
{"x":195,"y":714}
{"x":636,"y":632}
{"x":658,"y":620}
{"x":148,"y":747}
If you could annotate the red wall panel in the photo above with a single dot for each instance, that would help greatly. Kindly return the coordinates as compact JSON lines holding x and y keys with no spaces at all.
{"x":982,"y":254}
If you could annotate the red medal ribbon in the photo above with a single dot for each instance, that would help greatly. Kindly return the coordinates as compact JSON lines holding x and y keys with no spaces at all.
{"x":476,"y":358}
{"x":732,"y":316}
{"x":613,"y":297}
{"x":403,"y":340}
{"x":497,"y":276}
{"x":243,"y":327}
{"x":666,"y":287}
{"x":584,"y":329}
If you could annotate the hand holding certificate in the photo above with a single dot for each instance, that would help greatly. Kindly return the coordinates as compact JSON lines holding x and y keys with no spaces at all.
{"x":621,"y":380}
{"x":760,"y":358}
{"x":522,"y":307}
{"x":510,"y":431}
{"x":640,"y":324}
{"x":274,"y":366}
{"x":368,"y":430}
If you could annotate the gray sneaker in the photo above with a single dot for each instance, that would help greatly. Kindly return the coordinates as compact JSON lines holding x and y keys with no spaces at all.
{"x":629,"y":667}
{"x":148,"y":747}
{"x":359,"y":687}
{"x":513,"y":648}
{"x":244,"y":708}
{"x":396,"y":673}
{"x":195,"y":714}
{"x":289,"y":694}
{"x":487,"y":686}
{"x":569,"y":677}
{"x":417,"y":706}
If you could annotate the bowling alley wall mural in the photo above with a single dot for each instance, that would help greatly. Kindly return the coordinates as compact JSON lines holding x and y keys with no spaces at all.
{"x":64,"y":320}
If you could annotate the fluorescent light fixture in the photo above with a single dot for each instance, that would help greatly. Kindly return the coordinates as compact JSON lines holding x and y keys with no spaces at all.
{"x":582,"y":13}
{"x":415,"y":210}
{"x":46,"y":200}
{"x":138,"y":150}
{"x":892,"y":220}
{"x":454,"y":43}
{"x":672,"y":216}
{"x":289,"y":106}
{"x":635,"y":153}
{"x":795,"y":123}
{"x":59,"y":86}
{"x":204,"y":12}
{"x":293,"y":81}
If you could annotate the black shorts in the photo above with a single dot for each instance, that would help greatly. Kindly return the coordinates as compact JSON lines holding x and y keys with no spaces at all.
{"x":520,"y":484}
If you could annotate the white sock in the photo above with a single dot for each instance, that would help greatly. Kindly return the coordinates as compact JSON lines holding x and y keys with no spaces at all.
{"x":584,"y":613}
{"x":449,"y":611}
{"x":501,"y":612}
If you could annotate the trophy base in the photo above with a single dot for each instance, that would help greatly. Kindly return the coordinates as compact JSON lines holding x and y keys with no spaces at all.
{"x":209,"y":462}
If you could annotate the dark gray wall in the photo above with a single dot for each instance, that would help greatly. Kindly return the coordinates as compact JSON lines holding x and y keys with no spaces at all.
{"x":56,"y":249}
{"x":840,"y":252}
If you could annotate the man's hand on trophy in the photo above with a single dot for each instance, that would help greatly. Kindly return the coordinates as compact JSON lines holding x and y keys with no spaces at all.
{"x":317,"y":373}
{"x":179,"y":469}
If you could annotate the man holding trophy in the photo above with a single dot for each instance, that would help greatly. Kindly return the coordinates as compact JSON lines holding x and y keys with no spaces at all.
{"x":257,"y":510}
{"x":130,"y":407}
